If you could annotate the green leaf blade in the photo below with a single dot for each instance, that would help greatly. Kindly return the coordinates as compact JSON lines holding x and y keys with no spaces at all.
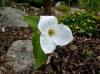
{"x":32,"y":21}
{"x":40,"y":56}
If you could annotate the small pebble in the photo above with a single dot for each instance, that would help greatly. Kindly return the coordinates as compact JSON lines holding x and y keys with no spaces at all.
{"x":3,"y":29}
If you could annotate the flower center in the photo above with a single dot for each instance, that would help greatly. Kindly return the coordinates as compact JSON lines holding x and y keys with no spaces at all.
{"x":51,"y":32}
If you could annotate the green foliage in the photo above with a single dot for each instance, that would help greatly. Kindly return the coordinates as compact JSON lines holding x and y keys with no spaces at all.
{"x":80,"y":22}
{"x":98,"y":19}
{"x":98,"y":72}
{"x":32,"y":21}
{"x":90,"y":5}
{"x":4,"y":3}
{"x":89,"y":54}
{"x":37,"y":3}
{"x":40,"y":56}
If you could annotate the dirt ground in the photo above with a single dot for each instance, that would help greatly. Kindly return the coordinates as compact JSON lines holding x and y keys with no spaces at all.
{"x":81,"y":56}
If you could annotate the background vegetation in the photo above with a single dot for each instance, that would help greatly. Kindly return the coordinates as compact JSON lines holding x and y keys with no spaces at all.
{"x":90,"y":5}
{"x":80,"y":22}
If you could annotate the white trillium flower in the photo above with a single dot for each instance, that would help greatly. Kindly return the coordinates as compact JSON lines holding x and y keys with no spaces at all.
{"x":53,"y":34}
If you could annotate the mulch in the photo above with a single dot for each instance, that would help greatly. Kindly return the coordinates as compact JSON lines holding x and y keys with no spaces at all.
{"x":12,"y":34}
{"x":81,"y":56}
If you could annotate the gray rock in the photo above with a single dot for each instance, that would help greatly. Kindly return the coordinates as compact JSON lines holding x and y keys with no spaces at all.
{"x":35,"y":9}
{"x":12,"y":17}
{"x":98,"y":14}
{"x":56,"y":12}
{"x":21,"y":55}
{"x":72,"y":10}
{"x":58,"y":4}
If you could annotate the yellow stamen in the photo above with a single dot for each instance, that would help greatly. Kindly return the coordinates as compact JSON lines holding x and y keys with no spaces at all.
{"x":51,"y":32}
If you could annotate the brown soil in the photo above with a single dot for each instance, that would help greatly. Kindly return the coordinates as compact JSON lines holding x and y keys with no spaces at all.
{"x":82,"y":56}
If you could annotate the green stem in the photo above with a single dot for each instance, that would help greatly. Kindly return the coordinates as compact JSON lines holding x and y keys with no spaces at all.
{"x":37,"y":32}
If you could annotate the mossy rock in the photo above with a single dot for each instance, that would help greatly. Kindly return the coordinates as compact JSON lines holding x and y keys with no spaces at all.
{"x":63,"y":7}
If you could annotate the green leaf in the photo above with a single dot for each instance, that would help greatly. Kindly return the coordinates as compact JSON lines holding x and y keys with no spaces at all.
{"x":40,"y":56}
{"x":98,"y":30}
{"x":98,"y":72}
{"x":90,"y":34}
{"x":32,"y":21}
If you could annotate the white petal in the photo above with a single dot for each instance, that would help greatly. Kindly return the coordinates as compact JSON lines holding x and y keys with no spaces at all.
{"x":46,"y":22}
{"x":47,"y":44}
{"x":63,"y":35}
